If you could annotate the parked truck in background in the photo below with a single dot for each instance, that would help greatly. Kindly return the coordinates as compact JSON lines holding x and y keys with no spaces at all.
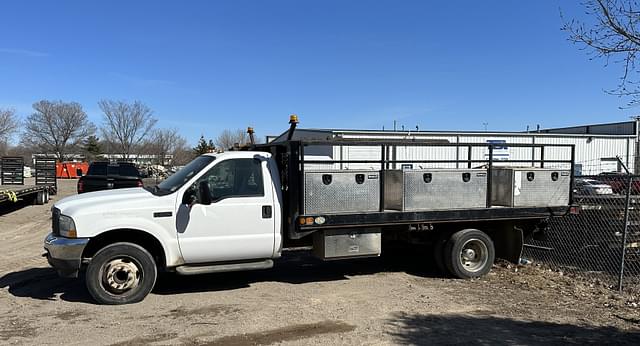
{"x":239,"y":210}
{"x":104,"y":175}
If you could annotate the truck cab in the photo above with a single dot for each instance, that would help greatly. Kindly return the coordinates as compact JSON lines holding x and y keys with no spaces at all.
{"x":220,"y":212}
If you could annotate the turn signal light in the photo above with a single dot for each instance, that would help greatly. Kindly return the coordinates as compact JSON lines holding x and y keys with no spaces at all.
{"x":306,"y":220}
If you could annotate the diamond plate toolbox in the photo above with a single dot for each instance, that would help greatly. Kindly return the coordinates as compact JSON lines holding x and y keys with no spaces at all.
{"x":435,"y":189}
{"x":530,"y":187}
{"x":341,"y":192}
{"x":347,"y":243}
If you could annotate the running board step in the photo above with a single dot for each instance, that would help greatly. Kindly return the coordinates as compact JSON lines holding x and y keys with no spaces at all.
{"x":220,"y":268}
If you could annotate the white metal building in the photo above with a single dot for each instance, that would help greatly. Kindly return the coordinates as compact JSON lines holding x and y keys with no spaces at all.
{"x":596,"y":147}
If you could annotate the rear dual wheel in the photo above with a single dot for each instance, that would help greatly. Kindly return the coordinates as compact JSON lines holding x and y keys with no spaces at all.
{"x":40,"y":198}
{"x":468,"y":253}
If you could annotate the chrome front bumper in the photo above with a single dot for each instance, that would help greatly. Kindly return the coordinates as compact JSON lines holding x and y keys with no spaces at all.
{"x":64,"y":254}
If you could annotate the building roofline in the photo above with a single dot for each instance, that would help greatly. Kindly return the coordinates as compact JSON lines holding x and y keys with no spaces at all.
{"x":450,"y":133}
{"x":589,"y":125}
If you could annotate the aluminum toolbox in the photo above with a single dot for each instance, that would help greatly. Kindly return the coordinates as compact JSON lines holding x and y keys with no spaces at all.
{"x":435,"y":189}
{"x":341,"y":192}
{"x":341,"y":243}
{"x":530,"y":187}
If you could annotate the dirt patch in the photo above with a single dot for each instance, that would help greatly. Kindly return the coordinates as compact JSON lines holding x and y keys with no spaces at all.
{"x":209,"y":311}
{"x":147,"y":340}
{"x":289,"y":333}
{"x":70,"y":315}
{"x":16,"y":328}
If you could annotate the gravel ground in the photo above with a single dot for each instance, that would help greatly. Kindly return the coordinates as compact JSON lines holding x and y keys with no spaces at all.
{"x":395,"y":299}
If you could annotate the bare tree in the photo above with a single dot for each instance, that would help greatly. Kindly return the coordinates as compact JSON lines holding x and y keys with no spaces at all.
{"x":55,"y":126}
{"x":8,"y":123}
{"x":613,"y":35}
{"x":166,"y":142}
{"x":126,"y":124}
{"x":227,"y":138}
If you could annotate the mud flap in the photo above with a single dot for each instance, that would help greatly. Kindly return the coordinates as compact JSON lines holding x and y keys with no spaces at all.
{"x":508,"y":242}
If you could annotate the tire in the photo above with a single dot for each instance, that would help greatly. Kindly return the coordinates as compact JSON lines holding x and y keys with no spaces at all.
{"x":121,"y":273}
{"x":438,"y":252}
{"x":46,"y":196}
{"x":469,"y":254}
{"x":39,"y":199}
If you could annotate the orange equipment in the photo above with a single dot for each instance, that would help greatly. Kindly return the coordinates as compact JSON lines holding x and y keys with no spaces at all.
{"x":70,"y":170}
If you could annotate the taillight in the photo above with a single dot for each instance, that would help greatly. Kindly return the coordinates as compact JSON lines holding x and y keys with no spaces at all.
{"x":80,"y":186}
{"x":140,"y":183}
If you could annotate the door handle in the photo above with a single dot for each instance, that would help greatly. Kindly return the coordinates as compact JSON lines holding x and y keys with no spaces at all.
{"x":267,"y":211}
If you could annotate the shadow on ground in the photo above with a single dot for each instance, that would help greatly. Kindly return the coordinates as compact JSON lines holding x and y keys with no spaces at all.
{"x":293,"y":268}
{"x":44,"y":284}
{"x":300,"y":268}
{"x":494,"y":330}
{"x":8,"y":207}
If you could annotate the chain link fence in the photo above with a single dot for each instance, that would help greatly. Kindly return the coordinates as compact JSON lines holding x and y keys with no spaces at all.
{"x":602,"y":241}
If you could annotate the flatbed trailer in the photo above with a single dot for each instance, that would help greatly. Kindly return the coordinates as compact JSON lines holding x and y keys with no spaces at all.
{"x":38,"y":194}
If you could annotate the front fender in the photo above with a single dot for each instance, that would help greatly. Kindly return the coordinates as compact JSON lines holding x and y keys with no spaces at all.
{"x":165,"y":237}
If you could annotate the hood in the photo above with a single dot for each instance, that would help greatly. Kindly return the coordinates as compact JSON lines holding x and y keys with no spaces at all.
{"x":105,"y":201}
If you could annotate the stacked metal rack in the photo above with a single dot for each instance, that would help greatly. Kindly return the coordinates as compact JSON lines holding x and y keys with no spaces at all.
{"x":12,"y":170}
{"x":46,"y":173}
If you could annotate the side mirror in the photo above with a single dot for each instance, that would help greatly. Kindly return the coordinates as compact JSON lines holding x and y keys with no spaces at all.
{"x":204,"y":192}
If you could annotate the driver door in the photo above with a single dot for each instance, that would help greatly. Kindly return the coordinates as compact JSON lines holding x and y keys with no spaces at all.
{"x":239,"y":222}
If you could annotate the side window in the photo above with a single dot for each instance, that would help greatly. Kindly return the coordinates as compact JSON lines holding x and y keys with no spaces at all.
{"x":235,"y":178}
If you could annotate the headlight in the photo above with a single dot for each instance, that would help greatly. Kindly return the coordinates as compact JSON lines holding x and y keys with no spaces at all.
{"x":67,"y":227}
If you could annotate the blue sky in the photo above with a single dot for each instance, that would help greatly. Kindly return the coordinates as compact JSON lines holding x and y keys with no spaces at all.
{"x":204,"y":66}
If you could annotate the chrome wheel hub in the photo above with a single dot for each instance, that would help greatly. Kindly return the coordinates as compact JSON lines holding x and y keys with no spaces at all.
{"x":474,"y":255}
{"x":469,"y":254}
{"x":121,"y":275}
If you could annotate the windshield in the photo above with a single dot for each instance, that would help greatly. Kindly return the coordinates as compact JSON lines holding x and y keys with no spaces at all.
{"x":179,"y":178}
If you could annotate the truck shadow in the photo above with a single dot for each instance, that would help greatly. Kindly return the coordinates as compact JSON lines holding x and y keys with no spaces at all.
{"x":487,"y":329}
{"x":44,"y":284}
{"x":298,"y":268}
{"x":294,"y":268}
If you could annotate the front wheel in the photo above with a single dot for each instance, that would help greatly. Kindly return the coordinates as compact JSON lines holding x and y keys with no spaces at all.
{"x":121,"y":273}
{"x":469,"y":253}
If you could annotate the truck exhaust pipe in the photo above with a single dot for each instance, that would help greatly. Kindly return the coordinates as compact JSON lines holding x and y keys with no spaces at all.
{"x":293,"y":122}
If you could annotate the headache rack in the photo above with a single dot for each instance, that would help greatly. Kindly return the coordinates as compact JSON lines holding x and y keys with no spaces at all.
{"x":293,"y":159}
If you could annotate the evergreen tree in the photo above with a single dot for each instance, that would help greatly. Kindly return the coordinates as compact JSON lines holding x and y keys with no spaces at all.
{"x":91,"y":147}
{"x":203,"y":147}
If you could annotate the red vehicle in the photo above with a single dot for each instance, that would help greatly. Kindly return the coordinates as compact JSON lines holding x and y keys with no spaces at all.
{"x":618,"y":182}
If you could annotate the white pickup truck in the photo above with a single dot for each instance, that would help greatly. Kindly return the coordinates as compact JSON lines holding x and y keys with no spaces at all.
{"x":238,"y":210}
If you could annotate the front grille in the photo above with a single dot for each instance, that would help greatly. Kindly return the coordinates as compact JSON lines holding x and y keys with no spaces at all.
{"x":55,"y":221}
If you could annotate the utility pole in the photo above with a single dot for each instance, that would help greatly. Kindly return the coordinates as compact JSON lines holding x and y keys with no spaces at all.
{"x":485,"y":126}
